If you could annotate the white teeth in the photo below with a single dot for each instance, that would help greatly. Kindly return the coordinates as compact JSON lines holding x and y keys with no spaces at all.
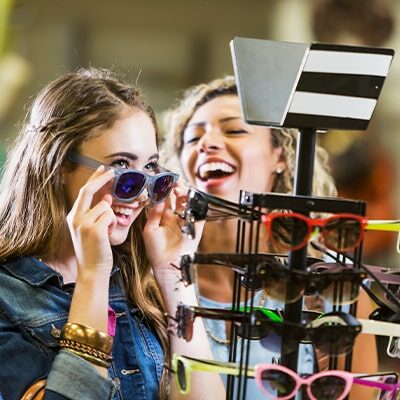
{"x":122,"y":210}
{"x":215,"y":166}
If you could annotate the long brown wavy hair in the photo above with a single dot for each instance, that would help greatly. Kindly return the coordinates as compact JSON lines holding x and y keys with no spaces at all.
{"x":67,"y":112}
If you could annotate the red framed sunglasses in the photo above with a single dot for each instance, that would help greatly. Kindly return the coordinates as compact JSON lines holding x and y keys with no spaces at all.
{"x":292,"y":231}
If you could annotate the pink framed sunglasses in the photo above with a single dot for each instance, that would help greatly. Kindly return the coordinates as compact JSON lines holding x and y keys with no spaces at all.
{"x":279,"y":382}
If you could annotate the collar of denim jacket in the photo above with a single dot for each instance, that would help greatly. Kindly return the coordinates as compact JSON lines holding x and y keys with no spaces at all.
{"x":31,"y":271}
{"x":35,"y":272}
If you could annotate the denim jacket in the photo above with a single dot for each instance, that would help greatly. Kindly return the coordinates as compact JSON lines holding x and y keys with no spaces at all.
{"x":33,"y":309}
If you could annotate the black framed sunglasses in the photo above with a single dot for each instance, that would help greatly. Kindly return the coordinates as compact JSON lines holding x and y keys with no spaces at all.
{"x":268,"y":326}
{"x":129,"y":183}
{"x":202,"y":206}
{"x":336,"y":282}
{"x":390,"y":300}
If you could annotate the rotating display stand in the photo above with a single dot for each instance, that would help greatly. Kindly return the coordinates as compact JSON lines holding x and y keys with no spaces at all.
{"x":311,"y":87}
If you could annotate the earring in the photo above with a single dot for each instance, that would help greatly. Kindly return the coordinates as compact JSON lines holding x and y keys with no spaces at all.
{"x":279,"y":170}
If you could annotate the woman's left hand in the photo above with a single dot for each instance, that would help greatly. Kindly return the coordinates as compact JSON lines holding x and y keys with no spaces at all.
{"x":163,"y":236}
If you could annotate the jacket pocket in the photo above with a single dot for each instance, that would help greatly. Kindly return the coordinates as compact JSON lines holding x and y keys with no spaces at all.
{"x":45,"y":335}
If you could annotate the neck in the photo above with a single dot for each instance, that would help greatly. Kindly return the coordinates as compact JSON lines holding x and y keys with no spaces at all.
{"x":64,"y":261}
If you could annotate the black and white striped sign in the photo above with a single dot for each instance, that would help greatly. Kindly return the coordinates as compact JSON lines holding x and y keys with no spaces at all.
{"x":326,"y":86}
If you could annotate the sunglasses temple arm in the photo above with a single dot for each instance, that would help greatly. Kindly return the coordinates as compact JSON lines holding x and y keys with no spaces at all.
{"x":394,"y":387}
{"x":380,"y":328}
{"x":221,"y":369}
{"x":83,"y":160}
{"x":387,"y":277}
{"x":226,"y":315}
{"x":388,"y":292}
{"x":383,"y":225}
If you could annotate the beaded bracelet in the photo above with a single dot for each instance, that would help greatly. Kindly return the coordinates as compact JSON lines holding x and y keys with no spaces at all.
{"x":88,"y":357}
{"x":87,"y":336}
{"x":70,"y":344}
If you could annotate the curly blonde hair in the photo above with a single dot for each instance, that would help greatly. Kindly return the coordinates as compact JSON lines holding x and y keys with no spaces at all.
{"x":177,"y":118}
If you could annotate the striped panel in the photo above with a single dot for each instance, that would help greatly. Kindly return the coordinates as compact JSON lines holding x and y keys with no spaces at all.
{"x":318,"y":122}
{"x":342,"y":62}
{"x":341,"y":84}
{"x":332,"y":105}
{"x":338,"y":87}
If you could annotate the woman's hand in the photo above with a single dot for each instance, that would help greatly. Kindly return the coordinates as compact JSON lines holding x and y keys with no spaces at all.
{"x":90,"y":225}
{"x":163,"y":236}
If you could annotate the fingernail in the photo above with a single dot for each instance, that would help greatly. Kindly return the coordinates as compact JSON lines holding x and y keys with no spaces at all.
{"x":101,"y":168}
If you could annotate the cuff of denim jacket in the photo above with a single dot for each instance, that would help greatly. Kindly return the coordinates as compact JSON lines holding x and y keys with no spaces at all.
{"x":75,"y":378}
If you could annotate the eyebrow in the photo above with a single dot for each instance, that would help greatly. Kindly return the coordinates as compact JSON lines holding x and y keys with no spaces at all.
{"x":131,"y":156}
{"x":226,"y":119}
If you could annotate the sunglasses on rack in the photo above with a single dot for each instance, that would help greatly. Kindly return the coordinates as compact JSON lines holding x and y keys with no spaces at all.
{"x":129,"y":183}
{"x":336,"y":282}
{"x":390,"y":279}
{"x":292,"y":231}
{"x":202,"y":206}
{"x":279,"y":382}
{"x":373,"y":271}
{"x":329,"y":336}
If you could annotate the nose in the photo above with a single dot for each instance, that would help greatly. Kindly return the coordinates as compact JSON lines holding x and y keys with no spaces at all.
{"x":212,"y":140}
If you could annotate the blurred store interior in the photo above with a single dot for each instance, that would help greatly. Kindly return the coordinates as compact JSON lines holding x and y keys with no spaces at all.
{"x":167,"y":46}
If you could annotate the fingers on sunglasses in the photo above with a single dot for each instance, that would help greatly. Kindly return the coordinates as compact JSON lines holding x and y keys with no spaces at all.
{"x":130,"y":183}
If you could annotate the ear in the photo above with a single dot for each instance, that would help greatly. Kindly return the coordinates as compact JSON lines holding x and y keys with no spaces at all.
{"x":280,"y":164}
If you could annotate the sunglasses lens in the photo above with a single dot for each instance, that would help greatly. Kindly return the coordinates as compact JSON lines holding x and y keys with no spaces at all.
{"x":288,"y":232}
{"x":335,"y":340}
{"x":180,"y":371}
{"x":342,"y":233}
{"x":162,"y":188}
{"x":129,"y":185}
{"x":277,"y":383}
{"x":328,"y":387}
{"x":282,"y":288}
{"x":341,"y":292}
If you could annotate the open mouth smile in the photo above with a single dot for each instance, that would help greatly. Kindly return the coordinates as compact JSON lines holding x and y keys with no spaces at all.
{"x":214,"y":170}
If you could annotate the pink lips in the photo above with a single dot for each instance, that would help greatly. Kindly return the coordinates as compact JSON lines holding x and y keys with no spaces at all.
{"x":124,"y":220}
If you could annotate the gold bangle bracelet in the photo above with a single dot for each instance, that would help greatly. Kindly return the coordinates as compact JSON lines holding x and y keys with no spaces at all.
{"x":88,"y":336}
{"x":91,"y":359}
{"x":70,"y":344}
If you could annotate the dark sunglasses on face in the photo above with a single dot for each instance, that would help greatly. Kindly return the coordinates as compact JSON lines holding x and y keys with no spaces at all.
{"x":335,"y":282}
{"x":129,"y":183}
{"x":269,"y":327}
{"x":292,"y":231}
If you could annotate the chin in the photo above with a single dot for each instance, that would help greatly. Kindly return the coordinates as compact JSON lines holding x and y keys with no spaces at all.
{"x":118,"y":236}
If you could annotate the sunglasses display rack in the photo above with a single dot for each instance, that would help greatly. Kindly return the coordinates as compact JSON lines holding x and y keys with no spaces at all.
{"x":248,"y":242}
{"x":313,"y":88}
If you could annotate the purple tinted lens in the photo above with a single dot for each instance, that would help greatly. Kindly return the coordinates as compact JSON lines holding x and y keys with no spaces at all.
{"x":129,"y":185}
{"x":162,"y":187}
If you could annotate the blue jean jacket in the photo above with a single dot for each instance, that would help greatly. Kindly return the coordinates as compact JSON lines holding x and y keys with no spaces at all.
{"x":33,"y":309}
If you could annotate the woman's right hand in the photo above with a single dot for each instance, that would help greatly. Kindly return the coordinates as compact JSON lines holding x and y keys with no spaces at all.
{"x":90,"y":225}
